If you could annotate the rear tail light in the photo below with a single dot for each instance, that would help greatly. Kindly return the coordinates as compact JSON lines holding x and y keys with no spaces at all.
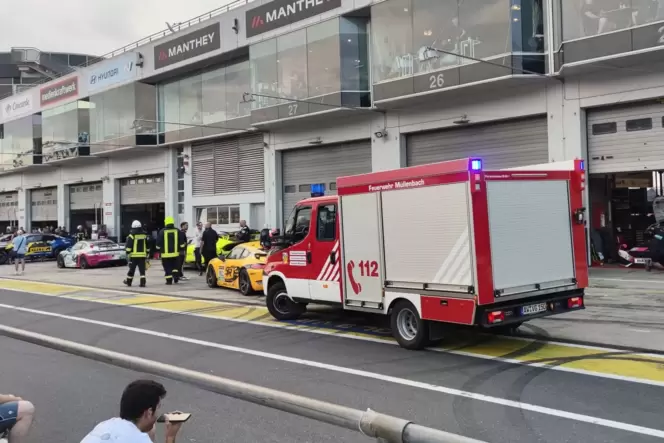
{"x":574,"y":302}
{"x":496,"y":317}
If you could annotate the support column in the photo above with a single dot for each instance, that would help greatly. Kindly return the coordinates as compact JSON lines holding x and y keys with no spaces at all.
{"x":111,"y":206}
{"x":171,"y":184}
{"x":24,"y":216}
{"x":567,"y":123}
{"x":388,"y":147}
{"x":189,"y":210}
{"x":63,"y":205}
{"x":273,"y":187}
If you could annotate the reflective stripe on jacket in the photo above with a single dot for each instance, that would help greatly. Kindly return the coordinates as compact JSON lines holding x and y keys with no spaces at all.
{"x":137,"y":245}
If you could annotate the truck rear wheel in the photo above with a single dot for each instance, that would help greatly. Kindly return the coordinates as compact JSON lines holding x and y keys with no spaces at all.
{"x":408,"y":328}
{"x":280,"y":305}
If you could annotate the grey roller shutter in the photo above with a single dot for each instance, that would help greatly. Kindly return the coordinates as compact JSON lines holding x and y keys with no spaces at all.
{"x":9,"y":206}
{"x":322,"y":164}
{"x":142,"y":190}
{"x":202,"y":169}
{"x":85,"y":196}
{"x":229,"y":166}
{"x":500,"y":145}
{"x":44,"y":204}
{"x":628,"y":138}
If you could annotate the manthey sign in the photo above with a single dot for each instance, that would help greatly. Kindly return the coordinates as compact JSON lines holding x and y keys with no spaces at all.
{"x":119,"y":70}
{"x":17,"y":106}
{"x":59,"y":91}
{"x":187,"y":46}
{"x":280,"y":13}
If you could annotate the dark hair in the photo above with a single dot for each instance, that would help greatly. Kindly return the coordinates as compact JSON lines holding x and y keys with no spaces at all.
{"x":183,"y":223}
{"x":138,"y":397}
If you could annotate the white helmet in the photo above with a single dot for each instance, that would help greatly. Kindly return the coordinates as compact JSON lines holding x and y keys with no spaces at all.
{"x":79,"y":227}
{"x":136,"y":224}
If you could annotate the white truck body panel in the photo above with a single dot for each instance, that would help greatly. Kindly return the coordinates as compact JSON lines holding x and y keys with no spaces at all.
{"x":531,"y":234}
{"x":428,"y":237}
{"x":567,"y":165}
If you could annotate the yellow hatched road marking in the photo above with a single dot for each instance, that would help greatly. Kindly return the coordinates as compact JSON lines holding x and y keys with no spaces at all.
{"x":573,"y":358}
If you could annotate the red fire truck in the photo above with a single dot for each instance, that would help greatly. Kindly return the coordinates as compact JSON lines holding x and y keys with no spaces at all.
{"x":435,"y":245}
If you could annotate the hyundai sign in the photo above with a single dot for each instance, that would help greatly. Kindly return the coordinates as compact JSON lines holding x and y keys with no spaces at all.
{"x":111,"y":72}
{"x":187,"y":46}
{"x":280,"y":13}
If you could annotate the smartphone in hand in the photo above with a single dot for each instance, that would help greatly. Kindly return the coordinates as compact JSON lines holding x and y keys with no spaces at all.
{"x":174,"y":417}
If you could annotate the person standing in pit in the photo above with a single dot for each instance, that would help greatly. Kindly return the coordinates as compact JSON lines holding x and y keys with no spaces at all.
{"x":198,"y":235}
{"x":208,"y":245}
{"x":169,"y":245}
{"x":20,"y":243}
{"x":137,"y":253}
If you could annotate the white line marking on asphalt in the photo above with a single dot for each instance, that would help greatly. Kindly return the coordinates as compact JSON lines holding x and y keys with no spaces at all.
{"x":335,"y":333}
{"x":366,"y":374}
{"x":640,"y":330}
{"x":654,"y":282}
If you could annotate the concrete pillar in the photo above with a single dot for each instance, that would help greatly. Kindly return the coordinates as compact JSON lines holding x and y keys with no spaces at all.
{"x":171,"y":183}
{"x":566,"y":123}
{"x":273,"y":187}
{"x":189,"y":210}
{"x":388,"y":147}
{"x":111,"y":205}
{"x":24,"y":216}
{"x":63,"y":205}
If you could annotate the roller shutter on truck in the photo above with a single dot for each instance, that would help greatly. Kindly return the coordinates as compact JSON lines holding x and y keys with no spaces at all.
{"x":500,"y":145}
{"x":323,"y":164}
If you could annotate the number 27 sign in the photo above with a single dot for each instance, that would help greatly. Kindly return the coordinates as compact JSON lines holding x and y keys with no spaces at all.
{"x":367,"y":268}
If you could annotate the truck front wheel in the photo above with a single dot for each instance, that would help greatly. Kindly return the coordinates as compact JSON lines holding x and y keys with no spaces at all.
{"x":280,"y":304}
{"x":408,"y":328}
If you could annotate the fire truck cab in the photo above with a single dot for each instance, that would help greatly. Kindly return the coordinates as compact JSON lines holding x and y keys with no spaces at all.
{"x":439,"y":244}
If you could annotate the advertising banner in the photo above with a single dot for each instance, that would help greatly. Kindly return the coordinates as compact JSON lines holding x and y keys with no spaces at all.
{"x":61,"y":90}
{"x":280,"y":13}
{"x":190,"y":45}
{"x":108,"y":73}
{"x":17,"y":106}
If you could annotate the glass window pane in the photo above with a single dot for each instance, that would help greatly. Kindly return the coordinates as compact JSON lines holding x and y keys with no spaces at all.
{"x":235,"y":214}
{"x":191,"y":101}
{"x":180,"y":185}
{"x":639,"y":124}
{"x":604,"y":128}
{"x":487,"y":26}
{"x":214,"y":96}
{"x":223,"y":215}
{"x":292,"y":65}
{"x":264,"y":72}
{"x":326,"y":222}
{"x":586,"y":18}
{"x":180,"y":208}
{"x":392,"y":46}
{"x":323,"y":58}
{"x":212,"y":215}
{"x":171,"y":108}
{"x":238,"y":82}
{"x":436,"y":24}
{"x":354,"y":54}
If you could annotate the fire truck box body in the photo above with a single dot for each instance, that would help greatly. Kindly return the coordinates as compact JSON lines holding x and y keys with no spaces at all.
{"x":451,"y":243}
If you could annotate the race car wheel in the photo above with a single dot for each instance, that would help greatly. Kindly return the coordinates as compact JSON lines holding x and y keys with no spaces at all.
{"x":245,"y":283}
{"x":60,"y":261}
{"x":83,"y":262}
{"x":408,"y":328}
{"x":211,"y":277}
{"x":281,"y":306}
{"x":57,"y":252}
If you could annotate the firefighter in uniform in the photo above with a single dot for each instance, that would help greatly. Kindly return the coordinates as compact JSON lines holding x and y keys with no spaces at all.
{"x":137,"y":252}
{"x":80,"y":233}
{"x":169,"y":244}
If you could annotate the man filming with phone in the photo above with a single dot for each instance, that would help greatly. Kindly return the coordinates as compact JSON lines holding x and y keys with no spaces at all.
{"x":139,"y":407}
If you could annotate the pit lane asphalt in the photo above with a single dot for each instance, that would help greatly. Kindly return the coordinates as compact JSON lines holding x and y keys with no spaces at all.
{"x":622,"y":401}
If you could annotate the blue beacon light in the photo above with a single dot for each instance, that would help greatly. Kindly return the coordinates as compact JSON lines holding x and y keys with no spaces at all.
{"x":317,"y":190}
{"x":476,"y":165}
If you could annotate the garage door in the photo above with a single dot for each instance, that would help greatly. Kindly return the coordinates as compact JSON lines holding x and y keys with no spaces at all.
{"x":9,"y":206}
{"x":629,"y":138}
{"x":228,"y":166}
{"x":85,"y":196}
{"x":499,"y":145}
{"x":323,"y":164}
{"x":142,"y":190}
{"x":44,"y":204}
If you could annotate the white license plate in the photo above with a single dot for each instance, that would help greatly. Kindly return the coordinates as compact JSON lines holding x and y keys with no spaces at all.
{"x":641,"y":261}
{"x":533,"y":309}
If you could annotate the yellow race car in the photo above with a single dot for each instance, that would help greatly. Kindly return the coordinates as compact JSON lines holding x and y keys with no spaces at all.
{"x":241,"y":269}
{"x":225,"y":244}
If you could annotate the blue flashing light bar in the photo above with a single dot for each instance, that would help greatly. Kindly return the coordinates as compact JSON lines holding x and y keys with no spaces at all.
{"x":476,"y":165}
{"x":317,"y":189}
{"x":582,"y":165}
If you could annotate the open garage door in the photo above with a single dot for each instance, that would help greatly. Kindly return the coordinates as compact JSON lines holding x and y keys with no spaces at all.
{"x":500,"y":145}
{"x":85,"y":205}
{"x":323,"y":164}
{"x":142,"y":198}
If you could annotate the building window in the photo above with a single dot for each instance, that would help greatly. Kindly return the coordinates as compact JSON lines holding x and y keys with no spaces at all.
{"x":605,"y":128}
{"x":323,"y":67}
{"x":180,"y":176}
{"x":290,"y":189}
{"x":264,"y":77}
{"x":639,"y":124}
{"x":588,"y":18}
{"x":304,"y":188}
{"x":292,"y":65}
{"x":219,"y":215}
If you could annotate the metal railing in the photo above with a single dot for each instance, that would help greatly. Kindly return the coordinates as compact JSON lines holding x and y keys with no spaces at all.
{"x":157,"y":35}
{"x":384,"y":428}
